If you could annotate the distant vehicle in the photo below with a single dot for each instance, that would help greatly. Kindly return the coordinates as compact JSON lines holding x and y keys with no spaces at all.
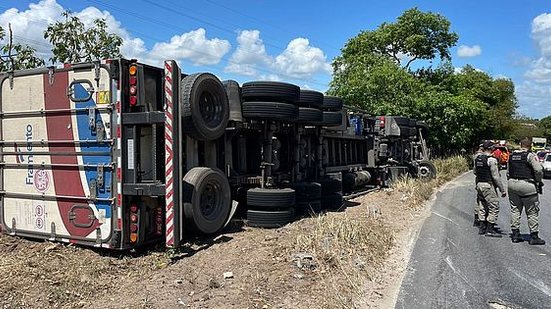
{"x":547,"y":166}
{"x":541,"y":155}
{"x":538,"y":143}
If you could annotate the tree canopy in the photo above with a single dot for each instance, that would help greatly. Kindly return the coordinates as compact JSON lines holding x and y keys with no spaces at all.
{"x":73,"y":42}
{"x":461,"y":106}
{"x":16,"y":56}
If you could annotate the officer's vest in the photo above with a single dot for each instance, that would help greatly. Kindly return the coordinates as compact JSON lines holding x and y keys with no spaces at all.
{"x":483,"y":173}
{"x":519,"y":168}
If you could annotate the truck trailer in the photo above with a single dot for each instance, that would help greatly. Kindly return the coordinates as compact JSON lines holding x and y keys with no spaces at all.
{"x":119,"y":154}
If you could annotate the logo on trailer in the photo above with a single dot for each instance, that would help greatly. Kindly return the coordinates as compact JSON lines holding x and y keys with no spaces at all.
{"x":39,"y":211}
{"x":42,"y":180}
{"x":39,"y":223}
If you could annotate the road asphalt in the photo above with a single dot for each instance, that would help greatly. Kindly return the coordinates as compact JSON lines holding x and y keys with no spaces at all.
{"x":451,"y":266}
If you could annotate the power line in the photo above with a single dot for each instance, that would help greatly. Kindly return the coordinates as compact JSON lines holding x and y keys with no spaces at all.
{"x":170,"y":26}
{"x":265,"y":23}
{"x":225,"y":58}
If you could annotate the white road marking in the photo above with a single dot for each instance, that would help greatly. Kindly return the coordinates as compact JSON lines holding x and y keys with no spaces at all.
{"x":451,"y":242}
{"x":537,"y":283}
{"x":450,"y":264}
{"x":446,"y":218}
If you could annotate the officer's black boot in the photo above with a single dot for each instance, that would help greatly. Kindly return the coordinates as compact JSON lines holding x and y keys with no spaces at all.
{"x":491,"y":230}
{"x":535,"y":239}
{"x":516,"y":237}
{"x":476,"y":221}
{"x":482,"y":228}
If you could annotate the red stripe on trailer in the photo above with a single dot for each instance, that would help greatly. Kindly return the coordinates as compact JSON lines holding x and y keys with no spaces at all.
{"x":168,"y":67}
{"x":66,"y":181}
{"x":169,"y":219}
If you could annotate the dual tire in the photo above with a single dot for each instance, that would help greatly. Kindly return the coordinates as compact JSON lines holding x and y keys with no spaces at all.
{"x":270,"y":208}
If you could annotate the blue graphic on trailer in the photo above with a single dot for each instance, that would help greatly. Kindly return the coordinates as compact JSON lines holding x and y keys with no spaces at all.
{"x":85,"y":133}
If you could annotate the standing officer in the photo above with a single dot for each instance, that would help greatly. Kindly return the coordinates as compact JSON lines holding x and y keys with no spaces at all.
{"x":525,"y":174}
{"x":487,"y":179}
{"x":478,"y":208}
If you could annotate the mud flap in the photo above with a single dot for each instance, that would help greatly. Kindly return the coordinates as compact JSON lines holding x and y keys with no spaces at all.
{"x":232,"y":212}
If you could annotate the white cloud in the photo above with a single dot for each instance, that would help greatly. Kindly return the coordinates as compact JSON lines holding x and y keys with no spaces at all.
{"x":469,"y":51}
{"x":534,"y":92}
{"x":250,"y":54}
{"x":29,"y":25}
{"x":193,"y":46}
{"x":298,"y":60}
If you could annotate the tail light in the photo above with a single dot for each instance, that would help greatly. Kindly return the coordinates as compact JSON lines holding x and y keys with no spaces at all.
{"x":382,"y":122}
{"x":134,"y":222}
{"x":133,"y":81}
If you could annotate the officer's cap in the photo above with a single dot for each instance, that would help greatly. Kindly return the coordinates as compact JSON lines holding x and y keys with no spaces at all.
{"x":488,"y":145}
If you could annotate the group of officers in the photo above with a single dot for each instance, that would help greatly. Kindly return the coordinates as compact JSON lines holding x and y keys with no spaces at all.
{"x":524,"y":173}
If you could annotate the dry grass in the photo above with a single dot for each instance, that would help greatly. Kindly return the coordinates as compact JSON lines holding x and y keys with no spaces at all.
{"x":346,"y":248}
{"x":61,"y":276}
{"x":415,"y":191}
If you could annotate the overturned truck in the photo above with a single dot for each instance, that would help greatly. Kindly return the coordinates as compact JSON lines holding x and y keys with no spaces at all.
{"x":119,"y":154}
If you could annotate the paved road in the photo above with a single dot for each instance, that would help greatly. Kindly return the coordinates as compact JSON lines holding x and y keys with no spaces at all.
{"x":453,"y":267}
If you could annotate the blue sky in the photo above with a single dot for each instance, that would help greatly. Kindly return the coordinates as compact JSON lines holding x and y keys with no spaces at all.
{"x":295,"y":41}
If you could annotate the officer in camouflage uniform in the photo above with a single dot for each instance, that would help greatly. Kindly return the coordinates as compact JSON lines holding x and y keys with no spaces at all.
{"x":525,"y":174}
{"x":478,"y":208}
{"x":487,"y":180}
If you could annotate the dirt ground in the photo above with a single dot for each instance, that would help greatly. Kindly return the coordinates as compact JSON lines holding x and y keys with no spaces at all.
{"x":348,"y":259}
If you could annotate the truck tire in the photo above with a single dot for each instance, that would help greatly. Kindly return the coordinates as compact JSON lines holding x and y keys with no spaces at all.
{"x":270,"y":91}
{"x":333,"y":202}
{"x":426,"y":170}
{"x":270,"y":111}
{"x":207,"y":199}
{"x":331,"y":103}
{"x":309,"y":115}
{"x":331,"y":119}
{"x":310,"y":98}
{"x":270,"y":219}
{"x":270,"y":198}
{"x":205,"y":108}
{"x":307,"y":191}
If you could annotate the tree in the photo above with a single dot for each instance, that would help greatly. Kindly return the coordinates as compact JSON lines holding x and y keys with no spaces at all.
{"x":461,"y":107}
{"x":16,"y":56}
{"x":73,"y":42}
{"x":415,"y":35}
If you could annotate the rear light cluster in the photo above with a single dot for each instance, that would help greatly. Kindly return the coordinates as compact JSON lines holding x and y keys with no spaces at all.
{"x":382,"y":122}
{"x":134,"y":222}
{"x":133,"y":81}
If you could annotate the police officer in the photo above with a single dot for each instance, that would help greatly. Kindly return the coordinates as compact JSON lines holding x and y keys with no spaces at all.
{"x":525,"y":174}
{"x":487,"y":179}
{"x":478,"y":208}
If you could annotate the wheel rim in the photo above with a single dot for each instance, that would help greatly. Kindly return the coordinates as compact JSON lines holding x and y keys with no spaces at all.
{"x":424,"y":171}
{"x":211,"y":111}
{"x":210,"y":200}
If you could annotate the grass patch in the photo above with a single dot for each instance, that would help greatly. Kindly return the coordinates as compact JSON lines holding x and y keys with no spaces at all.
{"x":416,"y":191}
{"x":345,"y":248}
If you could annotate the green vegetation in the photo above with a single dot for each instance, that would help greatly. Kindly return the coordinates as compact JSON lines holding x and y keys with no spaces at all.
{"x":375,"y":72}
{"x":73,"y":42}
{"x":16,"y":56}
